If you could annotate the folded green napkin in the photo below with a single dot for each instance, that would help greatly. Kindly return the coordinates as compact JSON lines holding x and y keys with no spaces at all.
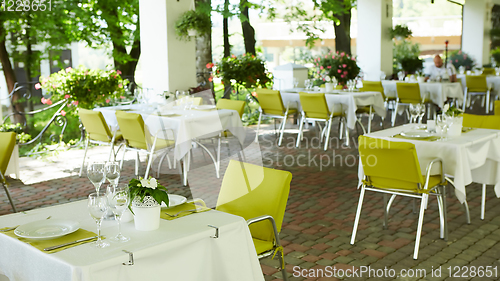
{"x":431,"y":138}
{"x":42,"y":244}
{"x":184,"y":209}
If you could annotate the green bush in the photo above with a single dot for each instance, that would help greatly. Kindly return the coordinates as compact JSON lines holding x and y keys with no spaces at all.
{"x":400,"y":31}
{"x":412,"y":64}
{"x":192,"y":19}
{"x":495,"y":53}
{"x":459,"y":58}
{"x":245,"y":70}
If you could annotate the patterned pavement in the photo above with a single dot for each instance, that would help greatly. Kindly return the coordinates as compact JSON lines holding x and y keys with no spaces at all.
{"x":320,"y":212}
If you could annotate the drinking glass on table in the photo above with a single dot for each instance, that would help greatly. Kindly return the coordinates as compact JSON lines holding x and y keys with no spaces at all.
{"x":441,"y":126}
{"x":414,"y":112}
{"x":118,"y":200}
{"x":295,"y":82}
{"x":421,"y":113}
{"x":112,"y":172}
{"x":97,"y":206}
{"x":96,"y":174}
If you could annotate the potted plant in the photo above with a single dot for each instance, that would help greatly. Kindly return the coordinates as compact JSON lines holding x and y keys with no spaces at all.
{"x":400,"y":32}
{"x":340,"y":66}
{"x":193,"y":23}
{"x":411,"y":64}
{"x":82,"y":87}
{"x":454,"y":119}
{"x":459,"y":58}
{"x":245,"y":70}
{"x":146,"y":196}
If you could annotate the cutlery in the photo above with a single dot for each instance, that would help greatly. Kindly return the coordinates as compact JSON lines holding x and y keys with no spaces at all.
{"x":178,"y":213}
{"x":69,"y":243}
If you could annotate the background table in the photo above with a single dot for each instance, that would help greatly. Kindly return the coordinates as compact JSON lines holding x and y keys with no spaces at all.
{"x":437,"y":92}
{"x":472,"y":157}
{"x":187,"y":125}
{"x":342,"y":101}
{"x":180,"y":249}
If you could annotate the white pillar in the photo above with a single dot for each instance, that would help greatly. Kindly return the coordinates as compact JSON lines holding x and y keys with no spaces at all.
{"x":374,"y":45}
{"x":476,"y":30}
{"x":168,"y":64}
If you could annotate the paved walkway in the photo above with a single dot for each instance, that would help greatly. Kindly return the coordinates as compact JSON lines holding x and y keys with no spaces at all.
{"x":320,"y":212}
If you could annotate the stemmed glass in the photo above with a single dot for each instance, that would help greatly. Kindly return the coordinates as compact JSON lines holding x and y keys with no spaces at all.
{"x":112,"y":171}
{"x":96,"y":174}
{"x":295,"y":82}
{"x":118,"y":200}
{"x":414,"y":112}
{"x":441,"y":126}
{"x":97,"y":205}
{"x":421,"y":113}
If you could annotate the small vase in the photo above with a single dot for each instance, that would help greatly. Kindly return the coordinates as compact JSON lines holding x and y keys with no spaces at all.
{"x":329,"y":87}
{"x":146,"y":213}
{"x":454,"y":126}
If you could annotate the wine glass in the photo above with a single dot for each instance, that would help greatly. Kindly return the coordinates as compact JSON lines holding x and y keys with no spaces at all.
{"x":414,"y":111}
{"x":295,"y":82}
{"x":441,"y":126}
{"x":118,"y":200}
{"x":112,"y":171}
{"x":96,"y":174}
{"x":97,"y":206}
{"x":421,"y":113}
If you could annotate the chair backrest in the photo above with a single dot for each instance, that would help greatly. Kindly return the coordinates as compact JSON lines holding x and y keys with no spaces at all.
{"x":373,"y":86}
{"x":197,"y":101}
{"x":237,"y":105}
{"x":7,"y":144}
{"x":497,"y":107}
{"x":481,"y":121}
{"x":251,"y":191}
{"x":270,"y":101}
{"x":408,"y":93}
{"x":314,"y":105}
{"x":95,"y":125}
{"x":132,"y":128}
{"x":390,"y":165}
{"x":476,"y":83}
{"x":489,"y":71}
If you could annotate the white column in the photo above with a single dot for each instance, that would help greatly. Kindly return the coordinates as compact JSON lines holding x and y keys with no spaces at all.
{"x":374,"y":45}
{"x":167,"y":63}
{"x":476,"y":30}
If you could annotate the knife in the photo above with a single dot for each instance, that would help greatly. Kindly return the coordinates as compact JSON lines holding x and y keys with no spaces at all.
{"x":69,"y":243}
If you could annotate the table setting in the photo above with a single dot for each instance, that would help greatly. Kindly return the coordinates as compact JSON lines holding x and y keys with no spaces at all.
{"x":167,"y":232}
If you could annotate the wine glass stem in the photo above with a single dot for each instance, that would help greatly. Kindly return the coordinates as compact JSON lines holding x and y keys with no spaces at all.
{"x":119,"y":219}
{"x":98,"y":222}
{"x":97,"y":187}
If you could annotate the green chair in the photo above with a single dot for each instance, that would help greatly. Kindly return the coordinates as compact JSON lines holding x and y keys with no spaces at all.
{"x":393,"y":168}
{"x":477,"y":85}
{"x":7,"y":144}
{"x":259,"y":195}
{"x":373,"y":86}
{"x":271,"y":105}
{"x":489,"y":71}
{"x":139,"y":139}
{"x":98,"y":132}
{"x":484,"y":122}
{"x":315,"y":108}
{"x":408,"y":93}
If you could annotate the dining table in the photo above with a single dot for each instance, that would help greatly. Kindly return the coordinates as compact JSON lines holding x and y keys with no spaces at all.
{"x":474,"y":156}
{"x":209,"y":245}
{"x":346,"y":102}
{"x":437,"y":92}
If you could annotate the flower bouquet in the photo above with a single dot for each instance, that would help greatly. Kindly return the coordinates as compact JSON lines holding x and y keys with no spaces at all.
{"x":454,"y":120}
{"x":341,"y":66}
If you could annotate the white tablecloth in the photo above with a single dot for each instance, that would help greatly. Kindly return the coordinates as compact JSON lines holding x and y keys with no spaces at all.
{"x":180,"y":249}
{"x":191,"y":124}
{"x":438,"y":92}
{"x":340,"y":101}
{"x":472,"y":157}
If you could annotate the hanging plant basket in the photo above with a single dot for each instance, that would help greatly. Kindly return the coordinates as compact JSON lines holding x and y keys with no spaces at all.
{"x":193,"y":20}
{"x":192,"y":32}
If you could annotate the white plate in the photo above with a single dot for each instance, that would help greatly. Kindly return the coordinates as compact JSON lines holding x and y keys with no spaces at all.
{"x":204,"y":107}
{"x":47,"y":229}
{"x":174,"y":200}
{"x":416,"y":134}
{"x":168,"y":114}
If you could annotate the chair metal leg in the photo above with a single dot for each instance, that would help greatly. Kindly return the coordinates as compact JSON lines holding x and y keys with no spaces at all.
{"x":370,"y":120}
{"x":85,"y":155}
{"x":258,"y":128}
{"x":137,"y":160}
{"x":282,"y":129}
{"x":347,"y":141}
{"x":8,"y":194}
{"x":467,"y":213}
{"x":283,"y":269}
{"x":483,"y":201}
{"x":420,"y":223}
{"x":328,"y":131}
{"x":387,"y":208}
{"x":487,"y":105}
{"x":358,"y":213}
{"x":301,"y":127}
{"x":394,"y":114}
{"x":465,"y":100}
{"x":385,"y":211}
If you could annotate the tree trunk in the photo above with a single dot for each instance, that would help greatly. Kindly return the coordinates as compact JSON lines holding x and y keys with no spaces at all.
{"x":227,"y":46}
{"x":246,"y":27}
{"x":10,"y":76}
{"x":203,"y":50}
{"x":343,"y":32}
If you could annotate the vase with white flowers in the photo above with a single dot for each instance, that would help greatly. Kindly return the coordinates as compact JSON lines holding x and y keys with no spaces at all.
{"x":146,"y":196}
{"x":454,"y":120}
{"x":331,"y":83}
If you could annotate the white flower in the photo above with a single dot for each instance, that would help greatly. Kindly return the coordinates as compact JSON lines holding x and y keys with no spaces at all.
{"x":328,"y":79}
{"x":446,"y":107}
{"x":151,"y":183}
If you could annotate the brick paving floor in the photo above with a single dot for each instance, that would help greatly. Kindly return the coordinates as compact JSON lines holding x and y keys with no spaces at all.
{"x":320,"y":212}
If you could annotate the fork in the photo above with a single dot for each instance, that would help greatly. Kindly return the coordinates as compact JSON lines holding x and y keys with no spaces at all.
{"x":178,"y":213}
